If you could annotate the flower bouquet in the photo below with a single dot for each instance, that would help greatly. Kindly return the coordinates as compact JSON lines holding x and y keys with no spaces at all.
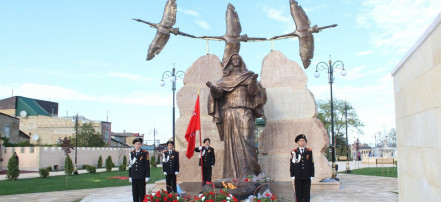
{"x":267,"y":196}
{"x":163,"y":196}
{"x":223,"y":196}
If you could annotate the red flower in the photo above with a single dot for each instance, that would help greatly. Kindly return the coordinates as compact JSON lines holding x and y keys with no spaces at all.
{"x":211,"y":193}
{"x":158,"y":194}
{"x":175,"y":200}
{"x":157,"y":200}
{"x":165,"y":198}
{"x":267,"y":194}
{"x":169,"y":195}
{"x":221,"y":191}
{"x":165,"y":192}
{"x":259,"y":200}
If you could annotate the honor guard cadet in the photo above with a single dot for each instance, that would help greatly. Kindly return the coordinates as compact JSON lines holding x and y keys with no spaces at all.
{"x":208,"y":159}
{"x":170,"y":166}
{"x":302,"y":169}
{"x":139,"y":170}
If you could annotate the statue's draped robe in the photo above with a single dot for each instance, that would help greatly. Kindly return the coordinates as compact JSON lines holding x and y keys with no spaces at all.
{"x":234,"y":106}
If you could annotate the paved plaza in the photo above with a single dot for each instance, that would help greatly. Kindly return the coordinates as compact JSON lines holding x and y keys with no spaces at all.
{"x":353,"y":188}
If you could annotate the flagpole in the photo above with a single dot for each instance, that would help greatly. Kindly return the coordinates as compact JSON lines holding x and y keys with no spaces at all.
{"x":200,"y":144}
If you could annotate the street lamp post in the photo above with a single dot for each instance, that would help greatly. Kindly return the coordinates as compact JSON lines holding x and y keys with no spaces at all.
{"x":172,"y":78}
{"x":330,"y":68}
{"x":75,"y":172}
{"x":348,"y":170}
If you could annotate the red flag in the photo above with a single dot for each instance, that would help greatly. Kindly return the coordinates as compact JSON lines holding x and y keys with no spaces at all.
{"x":193,"y":126}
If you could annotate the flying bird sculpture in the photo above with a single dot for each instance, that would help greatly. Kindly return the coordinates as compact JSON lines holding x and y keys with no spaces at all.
{"x":164,"y":28}
{"x":232,"y":37}
{"x":303,"y":32}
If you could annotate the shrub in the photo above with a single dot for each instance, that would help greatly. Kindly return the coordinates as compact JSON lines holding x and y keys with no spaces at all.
{"x":109,"y":164}
{"x":68,"y":166}
{"x":85,"y":166}
{"x":153,"y":161}
{"x":49,"y":168}
{"x":91,"y":169}
{"x":44,"y":172}
{"x":13,"y":171}
{"x":125,"y":160}
{"x":100,"y":162}
{"x":122,"y":167}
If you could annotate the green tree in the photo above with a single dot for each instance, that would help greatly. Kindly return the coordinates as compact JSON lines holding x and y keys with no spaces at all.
{"x":109,"y":164}
{"x":124,"y":160}
{"x":88,"y":137}
{"x":68,"y":166}
{"x":153,"y":161}
{"x":100,"y":162}
{"x":13,"y":170}
{"x":354,"y":123}
{"x":44,"y":172}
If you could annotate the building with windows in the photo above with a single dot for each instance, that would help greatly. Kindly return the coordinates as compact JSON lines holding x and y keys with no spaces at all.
{"x":39,"y":119}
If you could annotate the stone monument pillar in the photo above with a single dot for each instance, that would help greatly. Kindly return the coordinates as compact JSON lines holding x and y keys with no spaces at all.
{"x":206,"y":68}
{"x":290,"y":110}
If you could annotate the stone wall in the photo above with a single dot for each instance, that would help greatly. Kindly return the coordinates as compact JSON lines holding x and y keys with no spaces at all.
{"x":33,"y":158}
{"x":49,"y":129}
{"x":290,"y":110}
{"x":418,"y":116}
{"x":13,"y":124}
{"x":206,"y":68}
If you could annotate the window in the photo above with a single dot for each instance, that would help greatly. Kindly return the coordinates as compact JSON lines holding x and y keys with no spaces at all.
{"x":7,"y":129}
{"x":106,"y":135}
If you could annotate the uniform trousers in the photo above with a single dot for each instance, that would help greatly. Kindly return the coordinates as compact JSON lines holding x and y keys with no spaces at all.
{"x":138,"y":190}
{"x":171,"y":183}
{"x":207,"y":174}
{"x":303,"y":188}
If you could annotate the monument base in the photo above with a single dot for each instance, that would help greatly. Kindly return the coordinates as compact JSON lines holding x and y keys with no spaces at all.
{"x":284,"y":190}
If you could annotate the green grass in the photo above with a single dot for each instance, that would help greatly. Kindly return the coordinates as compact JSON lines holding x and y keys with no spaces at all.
{"x":375,"y":171}
{"x":82,"y":181}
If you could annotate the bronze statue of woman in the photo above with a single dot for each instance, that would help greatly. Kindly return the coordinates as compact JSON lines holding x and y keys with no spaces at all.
{"x":234,"y":102}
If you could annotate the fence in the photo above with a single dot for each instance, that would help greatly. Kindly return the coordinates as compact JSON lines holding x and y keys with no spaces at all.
{"x":33,"y":158}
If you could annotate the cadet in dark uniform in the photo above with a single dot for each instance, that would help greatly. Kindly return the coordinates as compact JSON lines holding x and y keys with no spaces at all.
{"x":170,"y":166}
{"x":139,"y":170}
{"x":208,"y":159}
{"x":302,"y":169}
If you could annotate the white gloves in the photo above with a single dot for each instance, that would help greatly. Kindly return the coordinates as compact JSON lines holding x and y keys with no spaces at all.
{"x":147,"y":179}
{"x":130,"y":180}
{"x":176,"y":173}
{"x":212,"y":165}
{"x":165,"y":173}
{"x":200,"y":148}
{"x":311,"y":178}
{"x":292,"y":178}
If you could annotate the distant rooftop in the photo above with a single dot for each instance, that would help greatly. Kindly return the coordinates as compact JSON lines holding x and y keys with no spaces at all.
{"x":31,"y":106}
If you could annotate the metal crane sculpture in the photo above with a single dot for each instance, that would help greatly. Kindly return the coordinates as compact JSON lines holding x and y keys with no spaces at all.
{"x":164,"y":28}
{"x":303,"y":32}
{"x":232,"y":37}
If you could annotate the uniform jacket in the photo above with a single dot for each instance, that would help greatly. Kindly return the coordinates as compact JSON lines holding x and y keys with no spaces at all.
{"x":139,"y":165}
{"x":208,"y":157}
{"x":303,"y":166}
{"x":170,"y":162}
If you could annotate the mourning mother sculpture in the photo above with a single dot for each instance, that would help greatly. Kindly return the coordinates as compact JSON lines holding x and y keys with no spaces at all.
{"x":235,"y":100}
